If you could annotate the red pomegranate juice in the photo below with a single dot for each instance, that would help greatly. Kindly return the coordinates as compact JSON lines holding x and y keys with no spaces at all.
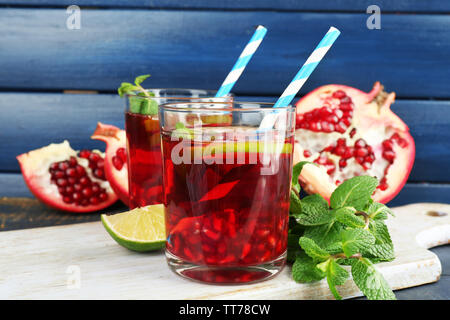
{"x":144,"y":159}
{"x":226,"y":214}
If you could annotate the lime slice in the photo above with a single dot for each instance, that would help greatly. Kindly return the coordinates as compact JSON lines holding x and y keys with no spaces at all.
{"x":140,"y":229}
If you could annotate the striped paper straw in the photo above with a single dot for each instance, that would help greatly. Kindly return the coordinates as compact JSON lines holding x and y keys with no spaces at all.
{"x":308,"y":68}
{"x":242,"y":61}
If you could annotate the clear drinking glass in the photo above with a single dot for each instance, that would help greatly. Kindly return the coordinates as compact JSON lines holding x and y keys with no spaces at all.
{"x":226,"y":189}
{"x":143,"y":140}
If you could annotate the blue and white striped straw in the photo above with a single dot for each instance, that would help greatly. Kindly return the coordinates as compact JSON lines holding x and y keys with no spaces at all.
{"x":300,"y":78}
{"x":242,"y":61}
{"x":308,"y":68}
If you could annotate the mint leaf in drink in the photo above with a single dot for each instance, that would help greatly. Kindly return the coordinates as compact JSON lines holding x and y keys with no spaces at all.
{"x":370,"y":281}
{"x":346,"y":216}
{"x":125,"y":88}
{"x":378,"y":211}
{"x":354,"y":192}
{"x":313,"y":211}
{"x":141,"y":79}
{"x":313,"y":250}
{"x":149,"y":107}
{"x":356,"y":240}
{"x":304,"y":269}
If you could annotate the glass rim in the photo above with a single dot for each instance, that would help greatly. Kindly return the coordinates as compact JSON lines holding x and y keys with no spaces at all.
{"x":176,"y":106}
{"x":213,"y":92}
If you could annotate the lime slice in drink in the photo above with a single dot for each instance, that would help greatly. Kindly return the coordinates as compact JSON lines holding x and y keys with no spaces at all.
{"x":140,"y":229}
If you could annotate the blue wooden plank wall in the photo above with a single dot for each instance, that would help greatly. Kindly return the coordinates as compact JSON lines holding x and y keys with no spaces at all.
{"x":194,"y":43}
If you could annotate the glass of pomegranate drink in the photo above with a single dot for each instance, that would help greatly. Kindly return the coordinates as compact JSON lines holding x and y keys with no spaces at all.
{"x":226,"y":189}
{"x":143,"y":155}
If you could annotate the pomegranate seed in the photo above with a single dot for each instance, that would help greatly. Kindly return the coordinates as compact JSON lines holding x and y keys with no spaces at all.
{"x":71,"y":172}
{"x":338,"y":113}
{"x":332,"y":119}
{"x":84,"y":181}
{"x":361,"y":152}
{"x":345,"y":100}
{"x":67,"y":199}
{"x":54,"y":166}
{"x":360,"y":160}
{"x":63,"y":165}
{"x":367,"y":165}
{"x":360,"y":143}
{"x":341,"y":142}
{"x":73,"y":162}
{"x":388,"y":145}
{"x":325,"y":111}
{"x":369,"y":158}
{"x":59,"y":174}
{"x":342,"y":163}
{"x":306,"y":153}
{"x":84,"y":202}
{"x":347,"y":121}
{"x":95,"y":157}
{"x":95,"y":188}
{"x":348,"y":153}
{"x":402,"y":143}
{"x":117,"y":163}
{"x":339,"y":94}
{"x":353,"y":132}
{"x":80,"y":171}
{"x":338,"y":182}
{"x":340,"y":150}
{"x":87,"y":192}
{"x":389,"y":156}
{"x":76,"y":196}
{"x":94,"y":200}
{"x":340,"y":127}
{"x":345,"y":106}
{"x":321,"y":160}
{"x":61,"y":182}
{"x":77,"y":187}
{"x":61,"y":190}
{"x":99,"y":173}
{"x":100,"y":164}
{"x":85,"y":154}
{"x":103,"y":196}
{"x":69,"y":190}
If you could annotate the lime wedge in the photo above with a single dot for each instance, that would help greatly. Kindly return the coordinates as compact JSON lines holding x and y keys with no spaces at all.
{"x":140,"y":229}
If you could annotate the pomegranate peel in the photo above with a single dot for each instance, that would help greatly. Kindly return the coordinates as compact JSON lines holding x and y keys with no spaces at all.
{"x":66,"y":180}
{"x":347,"y":133}
{"x":115,"y":158}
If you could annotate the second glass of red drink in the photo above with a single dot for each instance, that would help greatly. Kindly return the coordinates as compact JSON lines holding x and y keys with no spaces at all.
{"x":143,"y":140}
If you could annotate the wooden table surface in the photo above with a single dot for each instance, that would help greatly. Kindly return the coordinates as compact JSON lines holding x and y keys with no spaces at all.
{"x":24,"y":212}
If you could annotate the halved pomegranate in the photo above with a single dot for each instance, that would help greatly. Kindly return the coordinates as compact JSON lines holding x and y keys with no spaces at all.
{"x":348,"y":133}
{"x":116,"y":170}
{"x":67,"y":180}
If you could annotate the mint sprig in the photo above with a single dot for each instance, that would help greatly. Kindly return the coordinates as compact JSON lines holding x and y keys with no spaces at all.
{"x":139,"y":99}
{"x":351,"y":231}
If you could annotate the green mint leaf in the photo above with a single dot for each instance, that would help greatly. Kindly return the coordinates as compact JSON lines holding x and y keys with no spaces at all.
{"x":304,"y":269}
{"x":314,"y":211}
{"x":370,"y":281}
{"x":346,"y":216}
{"x":296,"y":170}
{"x":182,"y":132}
{"x":135,"y":104}
{"x":313,"y":250}
{"x":354,"y":192}
{"x":383,"y":249}
{"x":378,"y":211}
{"x":141,"y":79}
{"x":336,"y":276}
{"x":295,"y":206}
{"x":356,"y":240}
{"x":125,"y":88}
{"x":326,"y":236}
{"x":149,"y":107}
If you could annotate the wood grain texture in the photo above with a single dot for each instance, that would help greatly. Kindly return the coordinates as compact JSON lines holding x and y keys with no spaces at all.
{"x":196,"y":48}
{"x":110,"y":271}
{"x":35,"y":120}
{"x":318,"y":5}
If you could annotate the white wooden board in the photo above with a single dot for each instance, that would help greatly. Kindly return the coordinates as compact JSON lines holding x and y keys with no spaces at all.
{"x":43,"y":263}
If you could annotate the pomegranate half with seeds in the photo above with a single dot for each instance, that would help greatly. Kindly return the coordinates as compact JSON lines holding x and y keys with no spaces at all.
{"x":116,"y":170}
{"x":348,"y":133}
{"x":66,"y":179}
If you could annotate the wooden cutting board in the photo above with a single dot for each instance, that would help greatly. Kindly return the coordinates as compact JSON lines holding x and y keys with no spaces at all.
{"x":82,"y":262}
